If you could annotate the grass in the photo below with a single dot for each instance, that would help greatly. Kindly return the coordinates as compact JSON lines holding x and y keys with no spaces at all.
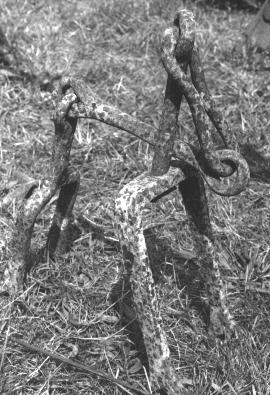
{"x":114,"y":46}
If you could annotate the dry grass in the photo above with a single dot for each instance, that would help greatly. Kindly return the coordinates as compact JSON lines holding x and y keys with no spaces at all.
{"x":114,"y":46}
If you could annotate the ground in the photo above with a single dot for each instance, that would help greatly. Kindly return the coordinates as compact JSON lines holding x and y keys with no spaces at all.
{"x":65,"y":308}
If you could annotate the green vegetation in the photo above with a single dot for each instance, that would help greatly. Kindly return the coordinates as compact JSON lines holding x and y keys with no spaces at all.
{"x":65,"y":308}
